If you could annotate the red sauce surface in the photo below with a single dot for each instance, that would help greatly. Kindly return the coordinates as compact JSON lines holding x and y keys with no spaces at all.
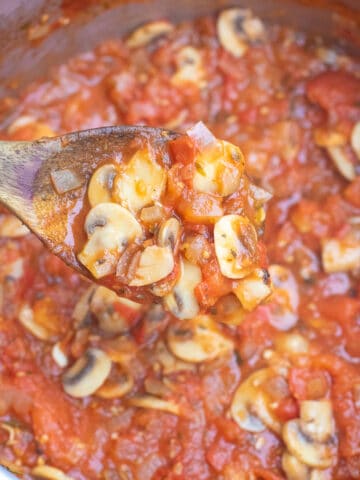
{"x":270,"y":102}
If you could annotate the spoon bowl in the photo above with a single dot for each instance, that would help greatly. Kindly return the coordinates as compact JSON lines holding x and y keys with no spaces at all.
{"x":28,"y":171}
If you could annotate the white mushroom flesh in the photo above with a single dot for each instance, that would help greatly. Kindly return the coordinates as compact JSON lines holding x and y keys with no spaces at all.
{"x":236,"y":28}
{"x":235,"y":241}
{"x":218,"y":169}
{"x":49,"y":473}
{"x":59,"y":356}
{"x":291,"y":343}
{"x":109,"y":318}
{"x":230,"y":36}
{"x":82,"y":307}
{"x":141,"y":182}
{"x":198,"y":340}
{"x":190,"y":68}
{"x":27,"y":319}
{"x":317,"y":419}
{"x":253,"y":289}
{"x":87,"y":374}
{"x":293,"y":468}
{"x":251,"y":406}
{"x":101,"y":184}
{"x":155,"y":264}
{"x":355,"y":139}
{"x":110,"y":228}
{"x":145,"y":34}
{"x":169,"y":233}
{"x":116,"y":387}
{"x":342,"y":162}
{"x":182,"y":302}
{"x":155,"y":403}
{"x":284,"y":300}
{"x":340,"y":255}
{"x":305,"y":449}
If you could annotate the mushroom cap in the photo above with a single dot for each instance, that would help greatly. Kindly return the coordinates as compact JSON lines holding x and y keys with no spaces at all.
{"x":198,"y":340}
{"x":87,"y":374}
{"x":182,"y":302}
{"x":141,"y":181}
{"x":235,"y":241}
{"x":110,"y":229}
{"x":313,"y":454}
{"x":101,"y":183}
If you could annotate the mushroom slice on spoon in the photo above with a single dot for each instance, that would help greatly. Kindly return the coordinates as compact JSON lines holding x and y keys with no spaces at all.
{"x":110,"y":228}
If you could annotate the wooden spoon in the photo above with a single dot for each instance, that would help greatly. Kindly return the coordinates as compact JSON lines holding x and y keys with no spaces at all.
{"x":27,"y":171}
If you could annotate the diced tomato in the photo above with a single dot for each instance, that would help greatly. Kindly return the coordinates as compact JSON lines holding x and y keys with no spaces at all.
{"x":287,"y":409}
{"x":352,"y":192}
{"x":339,"y":308}
{"x":183,"y":149}
{"x":334,"y":89}
{"x":213,"y":286}
{"x":198,"y":207}
{"x":309,"y":384}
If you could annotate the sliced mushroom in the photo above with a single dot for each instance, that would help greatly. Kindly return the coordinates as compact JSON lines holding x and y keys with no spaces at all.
{"x":12,"y":431}
{"x":12,"y":227}
{"x":87,"y":374}
{"x":81,"y":310}
{"x":190,"y":68}
{"x":155,"y":263}
{"x":118,"y":385}
{"x":235,"y":241}
{"x":253,"y":289}
{"x":170,"y":364}
{"x":147,"y":33}
{"x":155,"y":403}
{"x":152,"y":215}
{"x":250,"y":407}
{"x":291,"y":343}
{"x":141,"y":182}
{"x":313,"y":454}
{"x":355,"y":139}
{"x":49,"y":473}
{"x":321,"y":474}
{"x":169,"y":234}
{"x":103,"y":306}
{"x":110,"y":228}
{"x":182,"y":302}
{"x":284,"y":300}
{"x":27,"y":319}
{"x":340,"y":255}
{"x":236,"y":28}
{"x":293,"y":468}
{"x":317,"y":421}
{"x":342,"y":162}
{"x":59,"y":356}
{"x":101,"y":184}
{"x":218,"y":169}
{"x":198,"y":340}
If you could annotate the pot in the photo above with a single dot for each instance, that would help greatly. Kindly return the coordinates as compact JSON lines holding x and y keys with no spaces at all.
{"x":37,"y":34}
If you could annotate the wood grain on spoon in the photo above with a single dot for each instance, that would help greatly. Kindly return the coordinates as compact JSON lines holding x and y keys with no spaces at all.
{"x":152,"y":214}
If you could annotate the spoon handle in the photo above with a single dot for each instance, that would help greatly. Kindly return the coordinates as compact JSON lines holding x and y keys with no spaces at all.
{"x":19,"y":164}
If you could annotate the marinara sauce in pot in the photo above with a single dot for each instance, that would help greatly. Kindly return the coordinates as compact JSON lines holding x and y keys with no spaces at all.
{"x":94,"y":386}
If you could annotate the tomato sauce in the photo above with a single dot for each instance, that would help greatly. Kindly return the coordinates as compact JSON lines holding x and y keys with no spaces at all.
{"x":292,"y":105}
